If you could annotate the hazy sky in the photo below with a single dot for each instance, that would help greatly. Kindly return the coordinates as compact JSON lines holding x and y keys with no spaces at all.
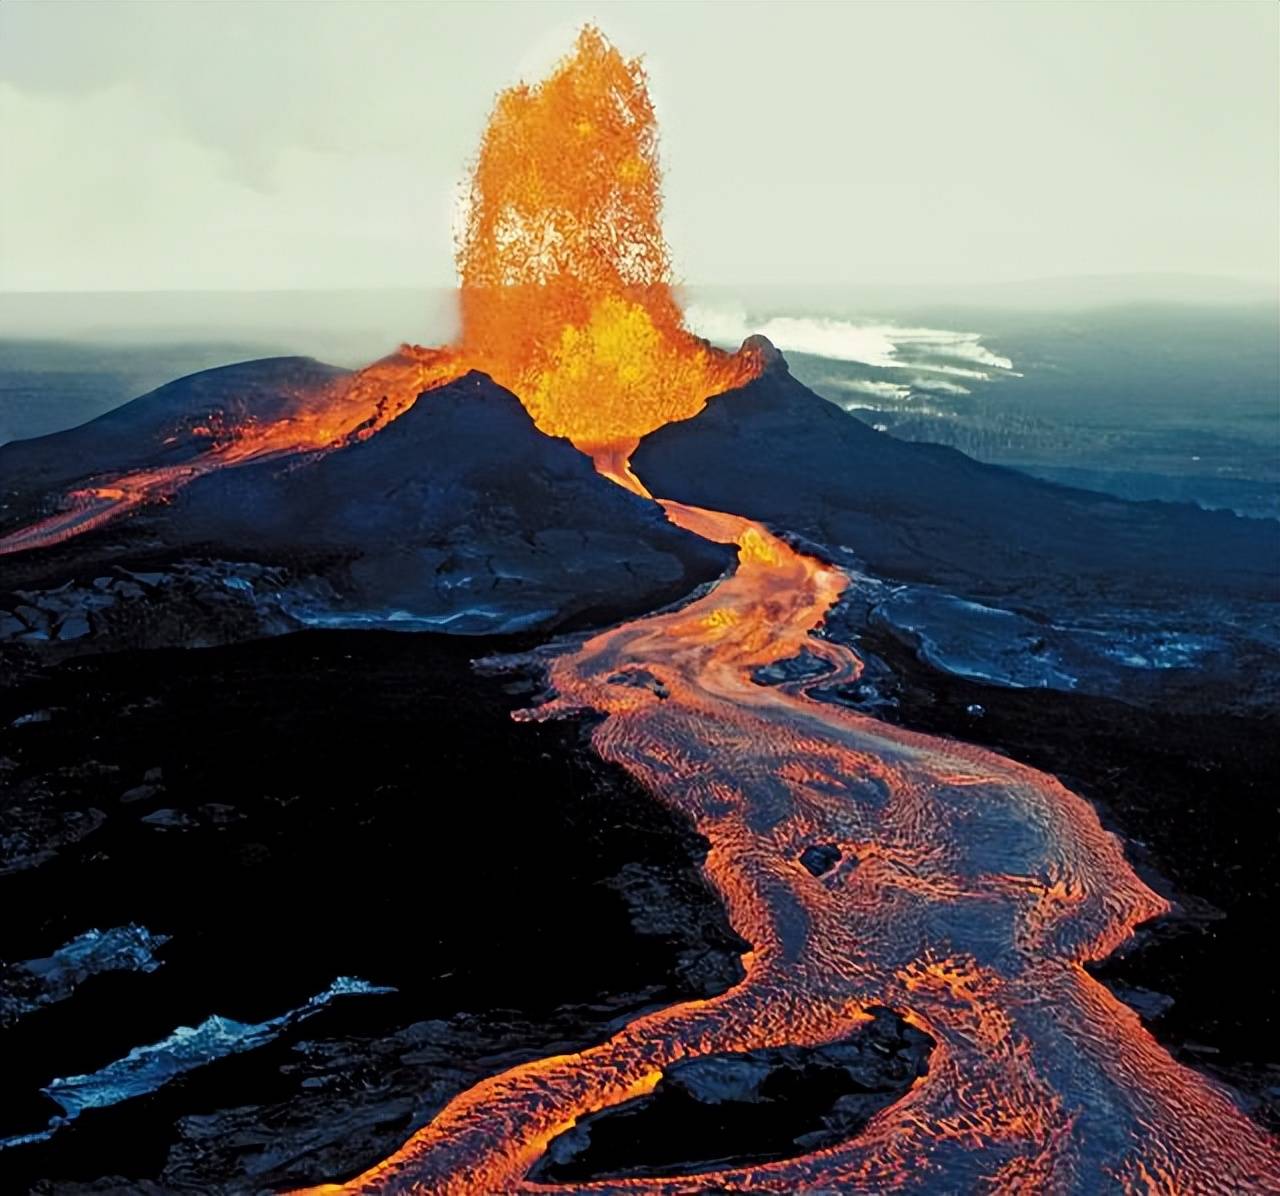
{"x":294,"y":144}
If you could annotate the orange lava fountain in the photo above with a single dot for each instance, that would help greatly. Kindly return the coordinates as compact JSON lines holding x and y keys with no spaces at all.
{"x":973,"y":890}
{"x":566,"y":278}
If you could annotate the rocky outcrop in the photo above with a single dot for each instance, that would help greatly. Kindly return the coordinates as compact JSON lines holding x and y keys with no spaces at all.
{"x":724,"y":1109}
{"x":187,"y":605}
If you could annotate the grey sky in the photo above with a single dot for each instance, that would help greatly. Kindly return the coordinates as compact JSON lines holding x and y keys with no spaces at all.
{"x":293,"y":144}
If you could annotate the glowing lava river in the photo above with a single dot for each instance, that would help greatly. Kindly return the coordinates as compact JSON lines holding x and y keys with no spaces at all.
{"x":970,"y":893}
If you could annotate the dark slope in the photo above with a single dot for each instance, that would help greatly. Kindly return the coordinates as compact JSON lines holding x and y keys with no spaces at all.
{"x":165,"y":427}
{"x":775,"y":451}
{"x":460,"y":505}
{"x":462,"y":447}
{"x":460,"y":514}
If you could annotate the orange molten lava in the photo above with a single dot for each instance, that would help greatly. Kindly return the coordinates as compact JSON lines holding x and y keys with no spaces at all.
{"x":972,"y":892}
{"x":349,"y":410}
{"x":566,"y":278}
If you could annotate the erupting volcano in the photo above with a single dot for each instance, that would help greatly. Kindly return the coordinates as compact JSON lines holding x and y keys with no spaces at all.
{"x":566,"y":299}
{"x":955,"y":887}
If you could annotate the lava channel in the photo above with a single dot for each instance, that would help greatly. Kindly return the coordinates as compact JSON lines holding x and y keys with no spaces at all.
{"x":974,"y":891}
{"x":349,"y":410}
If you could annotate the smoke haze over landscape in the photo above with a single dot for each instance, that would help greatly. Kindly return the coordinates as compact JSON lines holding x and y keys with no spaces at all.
{"x":844,"y":145}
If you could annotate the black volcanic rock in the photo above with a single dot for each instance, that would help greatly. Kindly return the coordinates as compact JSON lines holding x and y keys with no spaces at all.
{"x":726,"y":1109}
{"x":332,"y":804}
{"x":820,"y":858}
{"x":461,"y":512}
{"x":459,"y":515}
{"x":775,"y":451}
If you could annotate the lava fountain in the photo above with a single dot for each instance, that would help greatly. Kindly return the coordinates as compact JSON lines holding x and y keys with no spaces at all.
{"x":566,"y":278}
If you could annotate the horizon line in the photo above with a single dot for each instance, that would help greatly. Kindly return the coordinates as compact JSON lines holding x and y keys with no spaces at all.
{"x":1241,"y":280}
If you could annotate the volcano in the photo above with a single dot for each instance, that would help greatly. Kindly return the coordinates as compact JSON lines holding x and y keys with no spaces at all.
{"x":461,"y":514}
{"x":723,"y":826}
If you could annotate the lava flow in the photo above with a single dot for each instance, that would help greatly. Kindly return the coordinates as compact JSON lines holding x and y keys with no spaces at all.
{"x":350,"y":410}
{"x":971,"y":892}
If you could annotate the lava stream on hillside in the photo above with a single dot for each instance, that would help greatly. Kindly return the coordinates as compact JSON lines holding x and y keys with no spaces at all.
{"x":345,"y":411}
{"x":971,"y":893}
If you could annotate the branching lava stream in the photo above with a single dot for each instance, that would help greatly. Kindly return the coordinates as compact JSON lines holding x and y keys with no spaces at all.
{"x":972,"y":891}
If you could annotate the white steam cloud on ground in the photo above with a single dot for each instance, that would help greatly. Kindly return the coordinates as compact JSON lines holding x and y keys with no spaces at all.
{"x":931,"y":355}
